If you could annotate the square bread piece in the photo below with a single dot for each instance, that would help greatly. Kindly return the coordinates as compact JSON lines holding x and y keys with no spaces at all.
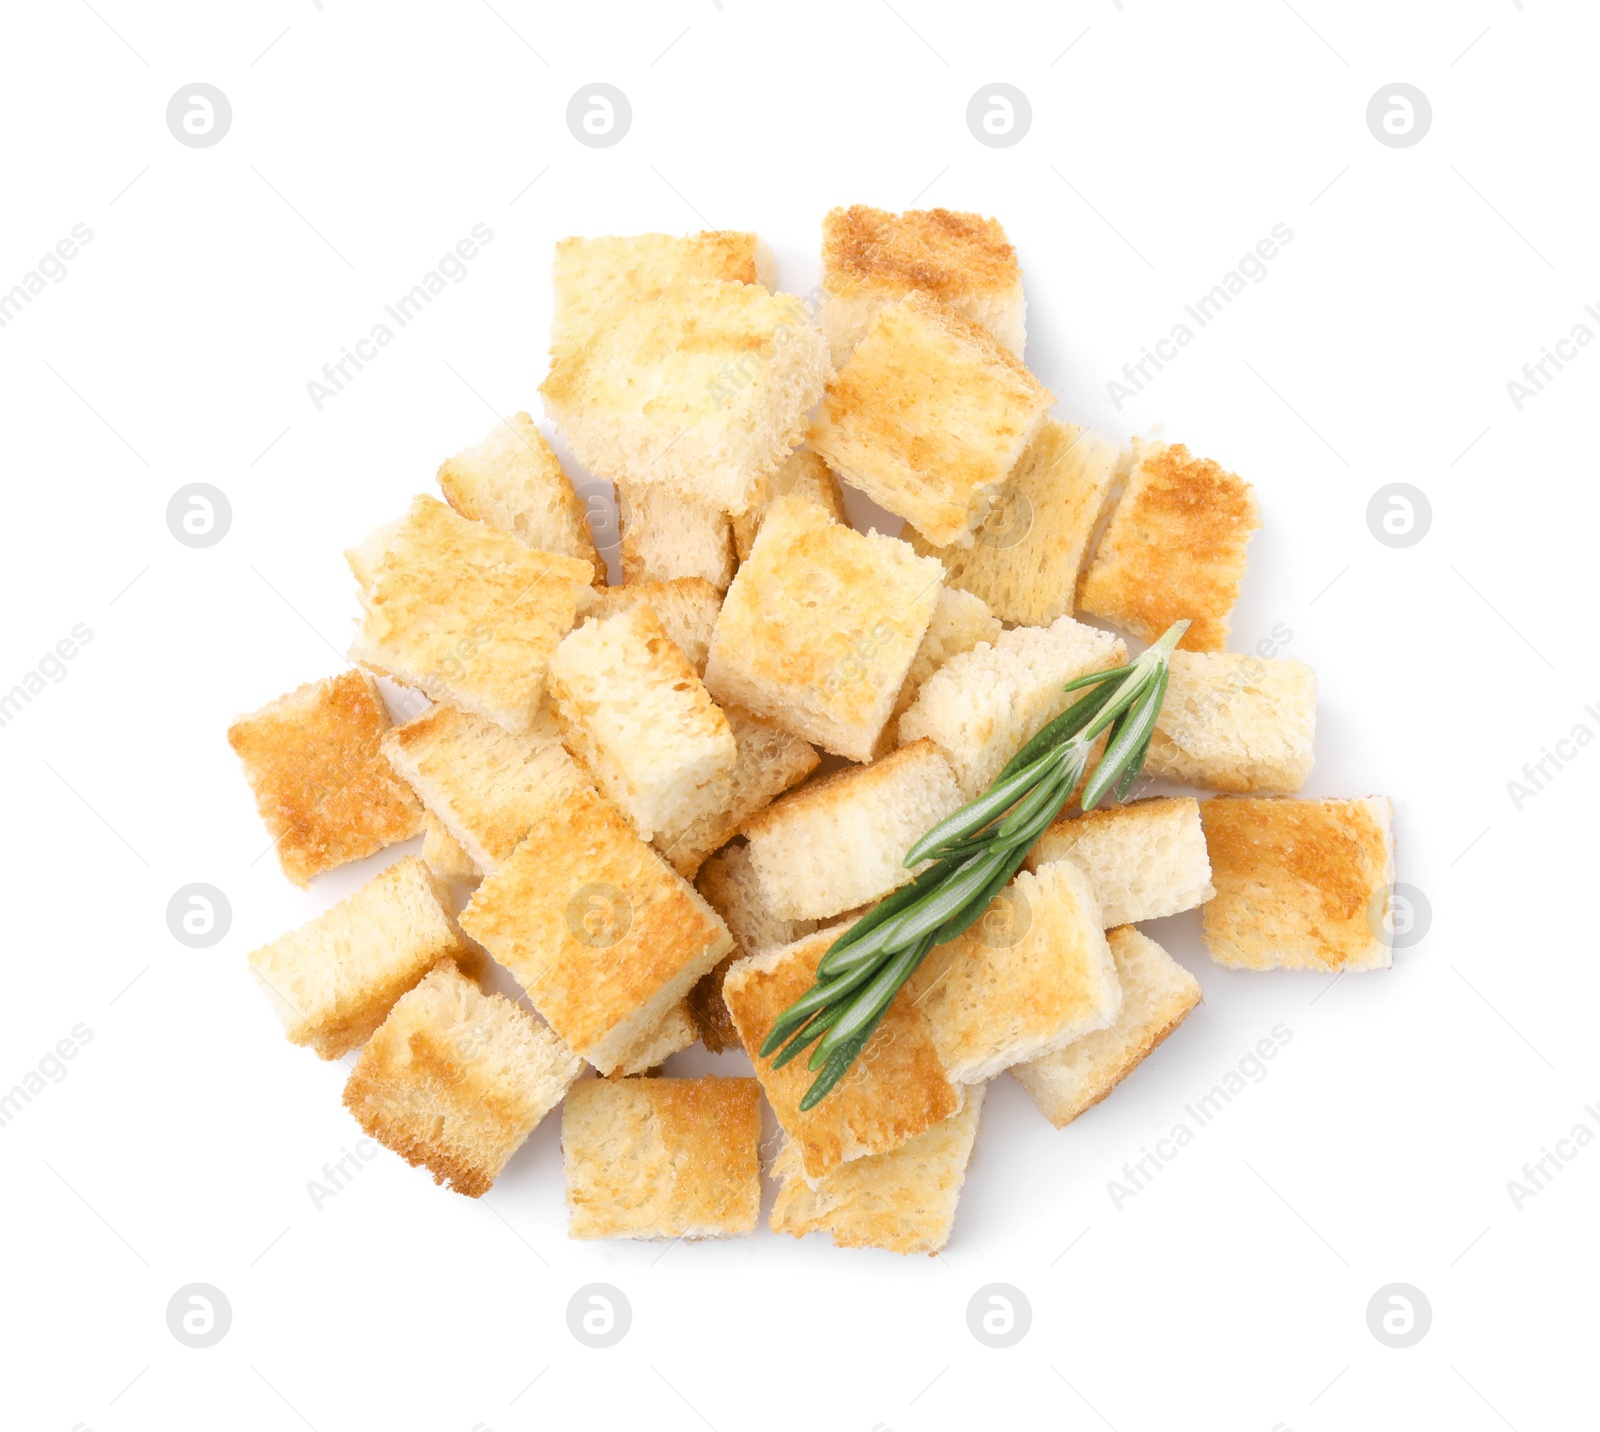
{"x":512,"y":480}
{"x":980,"y":707}
{"x":602,"y":933}
{"x":818,"y":630}
{"x":960,"y":621}
{"x":640,"y":722}
{"x":662,"y":1158}
{"x":702,"y":389}
{"x":1301,"y":885}
{"x":1174,"y":548}
{"x":803,"y":474}
{"x":1033,"y":974}
{"x":1025,"y":558}
{"x":894,"y":1091}
{"x":1144,"y":861}
{"x":842,"y":841}
{"x":871,"y":258}
{"x":1236,"y":722}
{"x":929,"y":417}
{"x":314,"y":763}
{"x":687,"y":606}
{"x":333,"y":980}
{"x":484,"y":784}
{"x":456,"y":1079}
{"x":665,"y":537}
{"x":465,"y":612}
{"x":904,"y":1201}
{"x":1157,"y":995}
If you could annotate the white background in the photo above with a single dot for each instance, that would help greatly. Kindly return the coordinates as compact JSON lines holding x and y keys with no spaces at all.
{"x":1166,"y":140}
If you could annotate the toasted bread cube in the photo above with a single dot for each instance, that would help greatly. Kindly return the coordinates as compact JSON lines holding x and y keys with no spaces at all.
{"x":960,"y":621}
{"x":701,"y":389}
{"x":1174,"y":548}
{"x":687,"y":606}
{"x":1025,"y":559}
{"x":1301,"y":885}
{"x":512,"y":480}
{"x":904,"y":1200}
{"x":929,"y":417}
{"x":895,"y":1090}
{"x":333,"y":980}
{"x":485,"y":785}
{"x":465,"y":612}
{"x":662,"y":1158}
{"x":652,"y":1049}
{"x":640,"y":722}
{"x":871,"y":258}
{"x":1033,"y":974}
{"x":770,"y":762}
{"x":803,"y":474}
{"x":980,"y":707}
{"x":324,"y":791}
{"x":442,"y":853}
{"x":456,"y":1079}
{"x":666,"y":537}
{"x":818,"y":630}
{"x":842,"y":841}
{"x":602,"y":933}
{"x":1144,"y":861}
{"x":1157,"y":995}
{"x":1236,"y":722}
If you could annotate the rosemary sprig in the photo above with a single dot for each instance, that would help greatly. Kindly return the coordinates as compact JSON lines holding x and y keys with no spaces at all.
{"x":975,"y":853}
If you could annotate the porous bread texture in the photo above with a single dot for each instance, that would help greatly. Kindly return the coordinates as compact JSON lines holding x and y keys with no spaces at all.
{"x":334,"y":979}
{"x":687,"y":606}
{"x":456,"y":1079}
{"x":820,"y":626}
{"x":1174,"y":548}
{"x":1301,"y":885}
{"x":1033,"y":974}
{"x":770,"y":761}
{"x":485,"y":785}
{"x":701,"y":389}
{"x":662,"y":1158}
{"x":443,"y":854}
{"x":903,"y":1201}
{"x":512,"y":480}
{"x":895,"y":1090}
{"x":1236,"y":722}
{"x":1025,"y":557}
{"x":465,"y":612}
{"x":803,"y":474}
{"x":654,"y":1046}
{"x":871,"y":258}
{"x":1157,"y":995}
{"x":842,"y":841}
{"x":1144,"y":861}
{"x":960,"y":621}
{"x":322,"y":787}
{"x":602,"y":933}
{"x":640,"y":722}
{"x":665,"y":537}
{"x":980,"y":707}
{"x":929,"y":417}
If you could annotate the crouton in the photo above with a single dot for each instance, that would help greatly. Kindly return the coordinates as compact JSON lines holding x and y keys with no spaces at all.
{"x":665,"y":537}
{"x":687,"y":606}
{"x":512,"y":480}
{"x":1144,"y":861}
{"x":652,"y":1048}
{"x":601,"y":932}
{"x":640,"y":722}
{"x":1236,"y":722}
{"x":1025,"y":558}
{"x":1174,"y":548}
{"x":981,"y":706}
{"x":871,"y":258}
{"x":324,"y":791}
{"x":333,"y":980}
{"x":904,"y":1200}
{"x":895,"y":1090}
{"x":818,"y":630}
{"x":465,"y":612}
{"x":960,"y":621}
{"x":662,"y":1158}
{"x":1157,"y":995}
{"x":456,"y":1079}
{"x":929,"y":417}
{"x":442,"y":853}
{"x":1301,"y":885}
{"x":842,"y":841}
{"x":805,"y":475}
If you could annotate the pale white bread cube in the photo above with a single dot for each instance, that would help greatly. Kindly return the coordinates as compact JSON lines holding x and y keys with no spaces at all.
{"x":687,"y":606}
{"x":443,"y":854}
{"x":803,"y":474}
{"x":665,"y":537}
{"x":1157,"y":995}
{"x":677,"y":1031}
{"x":960,"y":621}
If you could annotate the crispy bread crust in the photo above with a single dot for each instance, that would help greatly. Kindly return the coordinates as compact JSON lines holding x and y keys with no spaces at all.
{"x":939,"y":251}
